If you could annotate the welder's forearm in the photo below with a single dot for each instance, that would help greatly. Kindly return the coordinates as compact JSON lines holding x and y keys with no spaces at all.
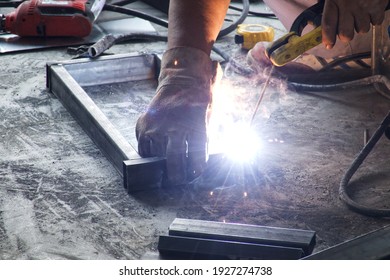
{"x":195,"y":23}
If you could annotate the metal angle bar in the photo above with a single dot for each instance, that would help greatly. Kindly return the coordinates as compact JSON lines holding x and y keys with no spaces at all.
{"x":295,"y":238}
{"x":197,"y":248}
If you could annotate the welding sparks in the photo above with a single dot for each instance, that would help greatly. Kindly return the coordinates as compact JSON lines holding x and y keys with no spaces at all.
{"x":275,"y":140}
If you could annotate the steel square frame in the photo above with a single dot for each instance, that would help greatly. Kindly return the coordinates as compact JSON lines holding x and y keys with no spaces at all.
{"x":66,"y":79}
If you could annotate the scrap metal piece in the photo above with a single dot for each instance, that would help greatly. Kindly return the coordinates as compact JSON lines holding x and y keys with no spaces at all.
{"x":65,"y":81}
{"x":371,"y":246}
{"x":303,"y":240}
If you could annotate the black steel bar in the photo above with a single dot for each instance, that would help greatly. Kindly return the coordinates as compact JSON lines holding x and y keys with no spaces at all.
{"x":179,"y":247}
{"x":273,"y":236}
{"x":143,"y":173}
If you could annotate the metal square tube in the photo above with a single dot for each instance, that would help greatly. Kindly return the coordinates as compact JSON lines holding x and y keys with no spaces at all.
{"x":65,"y":81}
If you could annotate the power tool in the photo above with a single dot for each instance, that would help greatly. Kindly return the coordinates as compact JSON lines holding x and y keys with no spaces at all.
{"x":293,"y":44}
{"x":52,"y":18}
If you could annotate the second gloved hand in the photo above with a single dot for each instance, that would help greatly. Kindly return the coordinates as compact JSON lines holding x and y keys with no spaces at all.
{"x":343,"y":17}
{"x":175,"y":123}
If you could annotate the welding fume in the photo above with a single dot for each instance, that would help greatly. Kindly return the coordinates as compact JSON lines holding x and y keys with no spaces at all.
{"x":176,"y":122}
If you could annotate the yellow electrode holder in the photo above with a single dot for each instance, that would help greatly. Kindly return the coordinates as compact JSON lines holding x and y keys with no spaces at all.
{"x":248,"y":35}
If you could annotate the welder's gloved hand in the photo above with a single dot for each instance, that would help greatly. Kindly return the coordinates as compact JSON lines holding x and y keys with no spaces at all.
{"x":343,"y":17}
{"x":175,"y":123}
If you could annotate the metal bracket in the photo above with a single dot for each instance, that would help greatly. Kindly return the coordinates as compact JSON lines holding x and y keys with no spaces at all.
{"x":66,"y":79}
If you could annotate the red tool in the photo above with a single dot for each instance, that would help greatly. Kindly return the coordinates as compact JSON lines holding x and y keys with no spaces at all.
{"x":52,"y":18}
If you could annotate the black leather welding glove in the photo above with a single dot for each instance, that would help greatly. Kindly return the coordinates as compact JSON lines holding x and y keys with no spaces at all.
{"x":343,"y":17}
{"x":175,"y":123}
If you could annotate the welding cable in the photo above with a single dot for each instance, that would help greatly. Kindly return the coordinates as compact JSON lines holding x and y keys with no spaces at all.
{"x":123,"y":2}
{"x":348,"y":58}
{"x":10,"y":4}
{"x":343,"y":190}
{"x":371,"y":80}
{"x":250,"y":12}
{"x":232,"y":27}
{"x":131,"y":12}
{"x":253,"y":13}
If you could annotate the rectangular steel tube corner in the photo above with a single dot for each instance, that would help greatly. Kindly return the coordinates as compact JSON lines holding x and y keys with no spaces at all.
{"x":142,"y":173}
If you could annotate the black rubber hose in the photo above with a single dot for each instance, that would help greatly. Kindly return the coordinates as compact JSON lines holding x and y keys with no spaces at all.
{"x":240,"y":20}
{"x":10,"y":4}
{"x":131,"y":12}
{"x":123,"y":2}
{"x":253,"y":13}
{"x":345,"y":59}
{"x":370,"y":80}
{"x":343,"y":190}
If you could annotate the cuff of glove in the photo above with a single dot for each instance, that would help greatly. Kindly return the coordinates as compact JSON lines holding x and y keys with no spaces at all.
{"x":188,"y":67}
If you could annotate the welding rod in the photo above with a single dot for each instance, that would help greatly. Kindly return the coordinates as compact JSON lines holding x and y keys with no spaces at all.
{"x":262,"y":94}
